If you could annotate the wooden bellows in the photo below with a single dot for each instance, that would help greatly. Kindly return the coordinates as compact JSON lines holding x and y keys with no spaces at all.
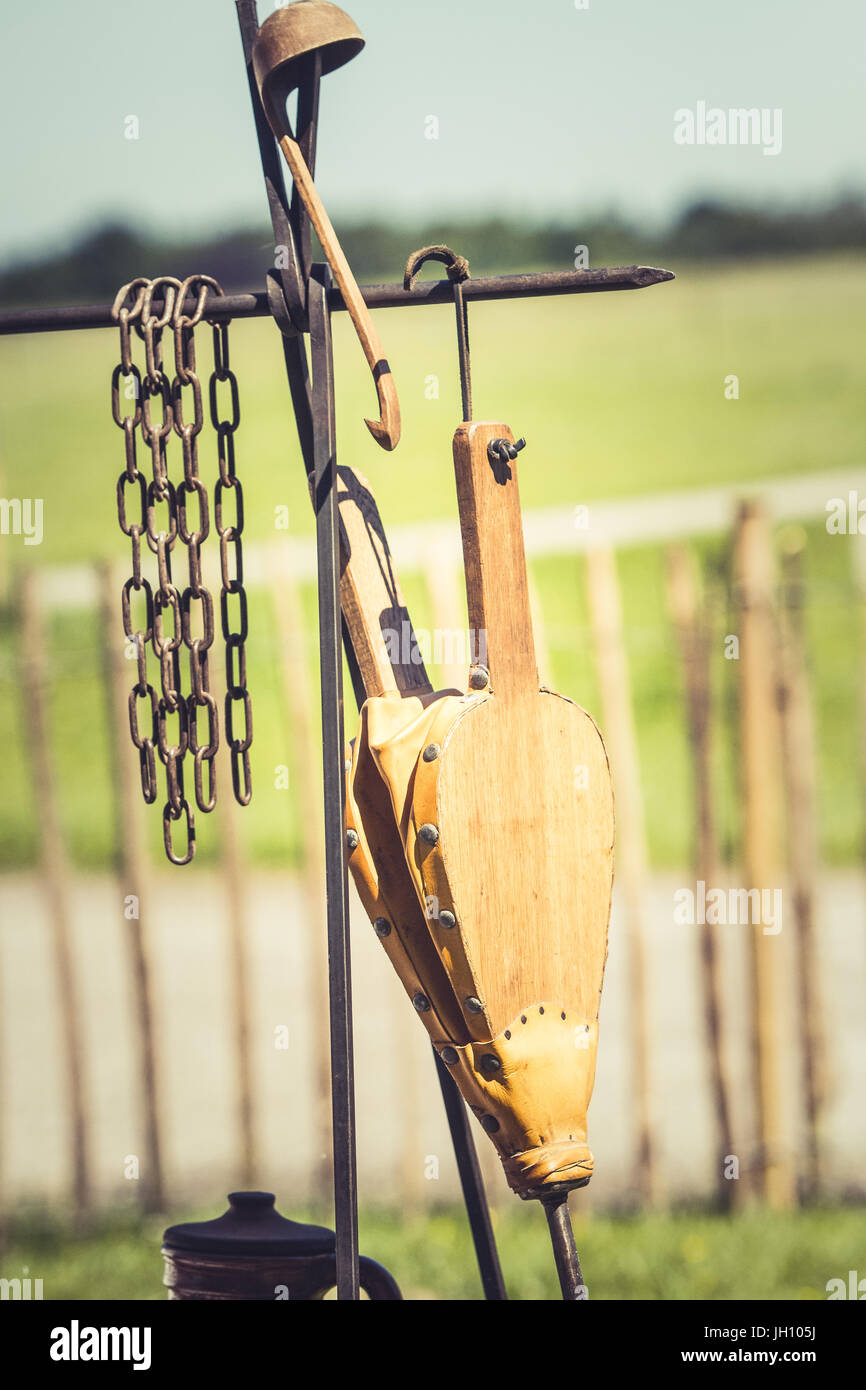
{"x":480,"y":834}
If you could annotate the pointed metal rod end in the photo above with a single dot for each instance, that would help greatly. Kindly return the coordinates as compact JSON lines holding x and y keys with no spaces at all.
{"x":645,"y":275}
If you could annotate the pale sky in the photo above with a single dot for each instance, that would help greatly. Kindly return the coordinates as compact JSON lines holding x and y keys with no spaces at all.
{"x":544,"y":109}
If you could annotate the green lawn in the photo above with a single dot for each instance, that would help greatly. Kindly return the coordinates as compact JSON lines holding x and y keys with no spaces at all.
{"x":685,"y":1256}
{"x":617,"y":395}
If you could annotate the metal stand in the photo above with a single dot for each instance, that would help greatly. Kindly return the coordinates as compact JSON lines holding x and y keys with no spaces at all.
{"x":299,"y":301}
{"x":301,"y":298}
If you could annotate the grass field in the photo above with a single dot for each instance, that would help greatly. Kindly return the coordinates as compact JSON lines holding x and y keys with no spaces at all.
{"x":685,"y":1256}
{"x":618,"y":395}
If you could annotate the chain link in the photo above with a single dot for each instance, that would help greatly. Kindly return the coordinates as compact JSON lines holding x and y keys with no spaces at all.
{"x":231,"y":567}
{"x":166,"y":616}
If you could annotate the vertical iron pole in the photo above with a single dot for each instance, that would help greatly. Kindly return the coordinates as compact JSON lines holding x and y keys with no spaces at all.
{"x":333,"y":743}
{"x":564,"y":1249}
{"x":474,"y":1195}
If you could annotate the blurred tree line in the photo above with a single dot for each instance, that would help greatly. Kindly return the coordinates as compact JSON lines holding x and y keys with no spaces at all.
{"x":109,"y":256}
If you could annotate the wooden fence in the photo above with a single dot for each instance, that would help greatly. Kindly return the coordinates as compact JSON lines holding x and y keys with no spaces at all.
{"x":738,"y":1111}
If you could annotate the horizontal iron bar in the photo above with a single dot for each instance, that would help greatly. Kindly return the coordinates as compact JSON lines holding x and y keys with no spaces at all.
{"x":254,"y":304}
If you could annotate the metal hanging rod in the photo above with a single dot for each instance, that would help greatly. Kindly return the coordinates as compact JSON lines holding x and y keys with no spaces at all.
{"x":254,"y":304}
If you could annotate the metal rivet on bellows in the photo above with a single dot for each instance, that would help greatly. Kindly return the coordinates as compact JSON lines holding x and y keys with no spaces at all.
{"x":431,"y":752}
{"x":449,"y":1056}
{"x":479,"y":678}
{"x":447,"y":919}
{"x":490,"y":1065}
{"x":353,"y":840}
{"x":429,"y":834}
{"x":489,"y":1124}
{"x":474,"y":1005}
{"x":382,"y":926}
{"x":421,"y":1002}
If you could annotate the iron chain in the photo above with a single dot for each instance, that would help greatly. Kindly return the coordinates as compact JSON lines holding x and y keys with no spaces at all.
{"x":168,"y":724}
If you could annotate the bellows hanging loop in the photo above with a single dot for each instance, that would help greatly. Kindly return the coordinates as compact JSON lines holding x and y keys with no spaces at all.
{"x":457,"y":269}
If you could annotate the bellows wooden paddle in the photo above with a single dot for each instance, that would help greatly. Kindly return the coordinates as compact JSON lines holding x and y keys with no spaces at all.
{"x":480,"y":834}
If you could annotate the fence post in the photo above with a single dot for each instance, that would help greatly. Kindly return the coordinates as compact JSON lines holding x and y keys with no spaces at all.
{"x":618,"y":728}
{"x":239,"y":976}
{"x":858,"y":561}
{"x":539,"y":632}
{"x":130,"y":867}
{"x":5,"y":591}
{"x":801,"y":796}
{"x":55,"y":878}
{"x":759,"y":754}
{"x":291,"y":642}
{"x":693,"y":638}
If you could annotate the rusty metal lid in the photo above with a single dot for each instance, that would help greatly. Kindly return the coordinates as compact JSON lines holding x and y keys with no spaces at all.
{"x":251,"y":1226}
